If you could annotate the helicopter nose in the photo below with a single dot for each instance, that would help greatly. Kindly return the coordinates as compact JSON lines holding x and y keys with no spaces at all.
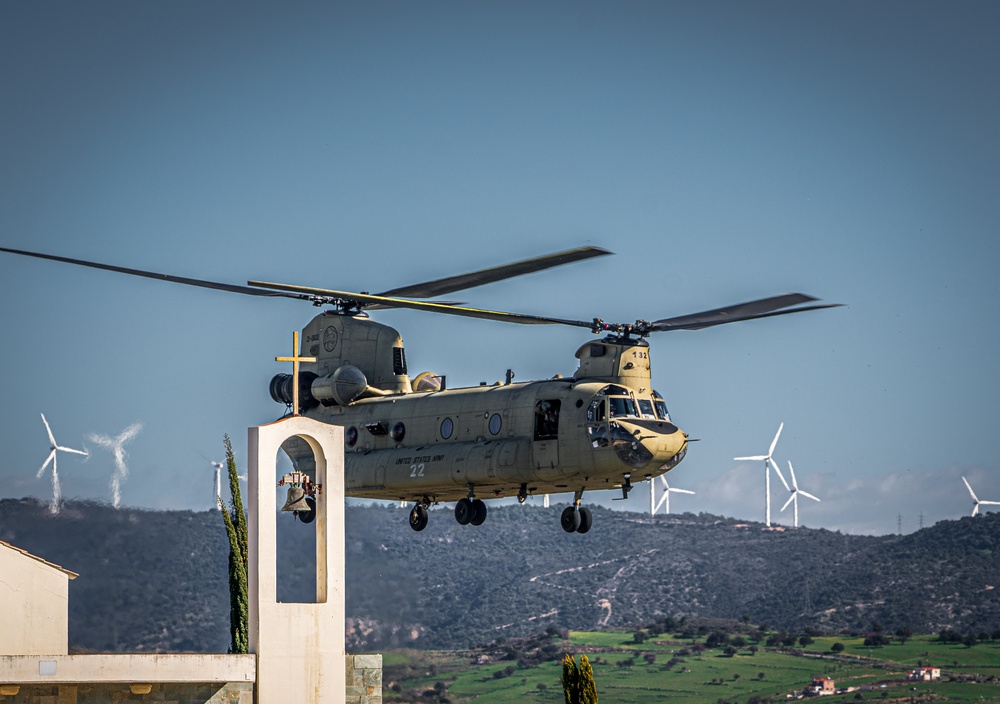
{"x":642,"y":443}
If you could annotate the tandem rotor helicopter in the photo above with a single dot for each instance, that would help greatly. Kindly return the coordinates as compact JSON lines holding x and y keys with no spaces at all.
{"x":417,"y":441}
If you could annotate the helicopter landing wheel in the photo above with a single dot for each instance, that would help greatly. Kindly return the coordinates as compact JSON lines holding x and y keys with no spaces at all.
{"x":418,"y":517}
{"x":586,"y":520}
{"x":570,"y":519}
{"x":479,"y":512}
{"x":464,"y":512}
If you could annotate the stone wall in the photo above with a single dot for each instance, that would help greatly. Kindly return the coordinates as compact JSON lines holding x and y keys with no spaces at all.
{"x":364,"y":679}
{"x":163,"y":693}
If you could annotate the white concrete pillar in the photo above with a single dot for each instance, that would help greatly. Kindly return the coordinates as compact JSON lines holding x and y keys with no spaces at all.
{"x":300,"y":647}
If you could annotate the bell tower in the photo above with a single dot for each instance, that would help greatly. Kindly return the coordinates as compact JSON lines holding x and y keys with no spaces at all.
{"x":300,"y":648}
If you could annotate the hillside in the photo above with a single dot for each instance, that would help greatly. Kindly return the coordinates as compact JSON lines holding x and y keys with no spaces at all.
{"x":156,"y":581}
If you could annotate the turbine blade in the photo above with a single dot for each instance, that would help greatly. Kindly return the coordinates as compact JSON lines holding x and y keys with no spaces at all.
{"x":52,"y":456}
{"x":970,"y":489}
{"x":52,"y":438}
{"x":975,"y":509}
{"x":686,"y":491}
{"x":70,"y":449}
{"x":792,"y":470}
{"x":775,"y":441}
{"x":790,"y":500}
{"x":755,"y":458}
{"x":989,"y":503}
{"x":808,"y":495}
{"x":778,"y":471}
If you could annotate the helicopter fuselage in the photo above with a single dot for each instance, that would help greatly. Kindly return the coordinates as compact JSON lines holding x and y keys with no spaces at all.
{"x":596,"y":430}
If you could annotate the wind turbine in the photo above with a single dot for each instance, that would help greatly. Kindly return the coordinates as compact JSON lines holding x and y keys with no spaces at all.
{"x":664,"y":501}
{"x":794,"y":498}
{"x":218,"y":485}
{"x":975,"y":499}
{"x":769,"y":462}
{"x":53,"y":452}
{"x":116,"y":446}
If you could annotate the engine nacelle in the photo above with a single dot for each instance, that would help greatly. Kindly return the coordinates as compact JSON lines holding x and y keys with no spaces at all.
{"x":345,"y":386}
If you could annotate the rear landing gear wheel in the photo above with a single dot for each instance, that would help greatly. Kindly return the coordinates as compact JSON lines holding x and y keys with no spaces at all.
{"x":570,"y":519}
{"x":586,"y":520}
{"x":479,"y":512}
{"x":418,"y":517}
{"x":465,"y":512}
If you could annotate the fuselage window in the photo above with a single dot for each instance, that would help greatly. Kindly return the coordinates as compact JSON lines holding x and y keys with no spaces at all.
{"x":547,"y":419}
{"x":495,"y":423}
{"x":447,"y":426}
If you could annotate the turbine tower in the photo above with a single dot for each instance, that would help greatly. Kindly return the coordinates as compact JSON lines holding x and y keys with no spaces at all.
{"x":54,"y":449}
{"x":976,"y":501}
{"x":768,"y":463}
{"x":794,"y":498}
{"x":664,"y":501}
{"x":116,"y":446}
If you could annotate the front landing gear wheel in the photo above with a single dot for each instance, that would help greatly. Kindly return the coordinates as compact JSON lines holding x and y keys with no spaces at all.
{"x":586,"y":520}
{"x":570,"y":519}
{"x":465,"y":512}
{"x":478,"y":512}
{"x":418,"y":517}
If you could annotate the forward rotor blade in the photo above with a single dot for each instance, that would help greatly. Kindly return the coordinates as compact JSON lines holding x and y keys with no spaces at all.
{"x":751,"y":310}
{"x":428,"y":306}
{"x":790,"y":500}
{"x":970,"y":489}
{"x":52,"y":438}
{"x":152,"y":275}
{"x":774,"y":442}
{"x":808,"y":495}
{"x":778,"y":471}
{"x":451,"y":284}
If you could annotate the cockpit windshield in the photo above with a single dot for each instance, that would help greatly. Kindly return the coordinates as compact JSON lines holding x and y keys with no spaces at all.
{"x":621,"y":406}
{"x":661,"y":406}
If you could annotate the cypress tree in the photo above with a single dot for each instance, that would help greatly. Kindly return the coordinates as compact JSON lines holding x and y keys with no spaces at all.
{"x":588,"y":688}
{"x":578,"y":681}
{"x":236,"y":528}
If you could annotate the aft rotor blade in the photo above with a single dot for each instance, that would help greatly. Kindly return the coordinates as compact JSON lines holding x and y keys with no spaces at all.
{"x":440,"y":287}
{"x":763,"y":308}
{"x":367,"y":299}
{"x":232,"y":288}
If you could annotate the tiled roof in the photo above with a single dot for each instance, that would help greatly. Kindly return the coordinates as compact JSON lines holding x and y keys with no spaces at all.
{"x":71,"y":575}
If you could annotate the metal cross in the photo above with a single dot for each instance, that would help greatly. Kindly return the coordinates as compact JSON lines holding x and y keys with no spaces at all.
{"x":295,"y":359}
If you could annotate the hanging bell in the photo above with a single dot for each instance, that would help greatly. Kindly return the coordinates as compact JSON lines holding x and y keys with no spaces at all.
{"x":296,"y":500}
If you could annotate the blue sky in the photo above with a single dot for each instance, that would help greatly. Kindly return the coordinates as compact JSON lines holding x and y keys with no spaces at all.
{"x":724,"y":151}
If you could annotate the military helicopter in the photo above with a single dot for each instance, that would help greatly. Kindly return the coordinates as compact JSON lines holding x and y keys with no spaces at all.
{"x":417,"y":441}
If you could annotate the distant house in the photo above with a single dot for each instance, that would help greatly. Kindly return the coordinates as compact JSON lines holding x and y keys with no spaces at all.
{"x":925,"y":674}
{"x":822,"y":685}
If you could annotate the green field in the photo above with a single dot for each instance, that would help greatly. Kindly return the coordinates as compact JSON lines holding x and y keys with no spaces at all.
{"x":630,"y":673}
